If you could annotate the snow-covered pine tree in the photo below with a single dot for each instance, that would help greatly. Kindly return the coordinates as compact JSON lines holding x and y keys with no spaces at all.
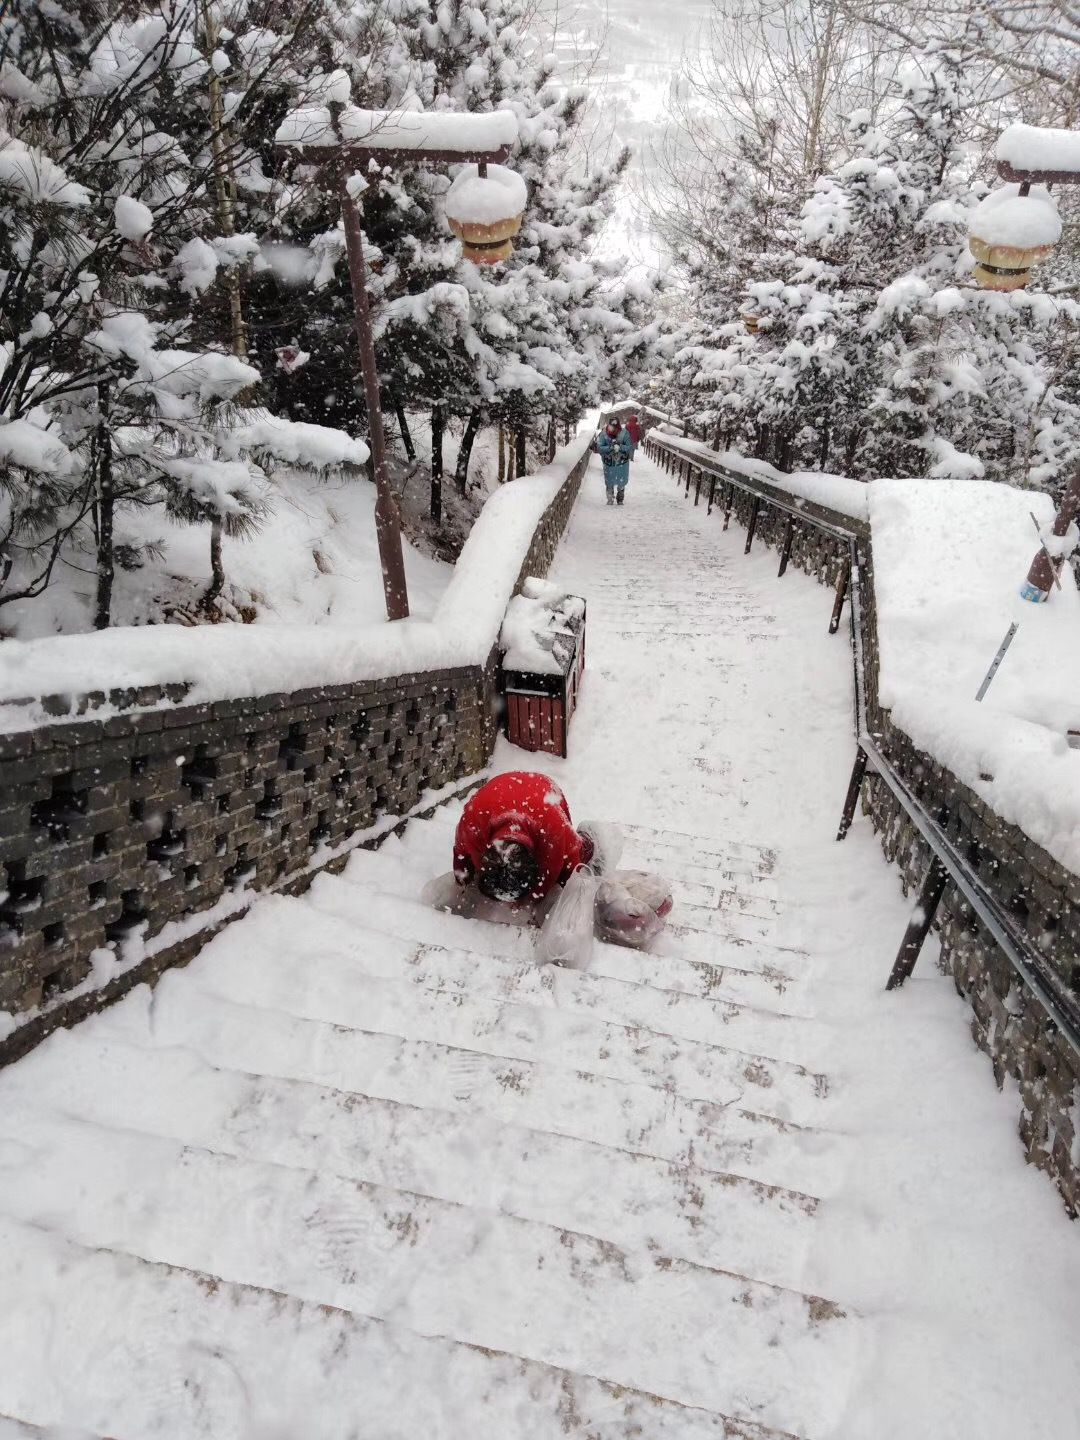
{"x":97,"y":202}
{"x":515,"y":344}
{"x":122,"y":378}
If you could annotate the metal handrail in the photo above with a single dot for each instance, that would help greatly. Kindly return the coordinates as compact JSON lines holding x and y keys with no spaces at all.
{"x":1059,"y":1003}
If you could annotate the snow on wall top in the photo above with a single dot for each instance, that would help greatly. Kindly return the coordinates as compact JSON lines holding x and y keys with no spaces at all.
{"x":400,"y":129}
{"x":1037,"y":147}
{"x":834,"y":492}
{"x":227,"y":662}
{"x":949,"y":558}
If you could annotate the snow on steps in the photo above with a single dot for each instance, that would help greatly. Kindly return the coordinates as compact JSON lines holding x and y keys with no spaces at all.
{"x":200,"y":1344}
{"x":357,"y":1142}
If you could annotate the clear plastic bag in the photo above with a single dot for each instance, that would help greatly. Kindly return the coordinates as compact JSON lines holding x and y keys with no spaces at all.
{"x":567,"y":934}
{"x":630,"y":907}
{"x":442,"y":893}
{"x":607,"y":843}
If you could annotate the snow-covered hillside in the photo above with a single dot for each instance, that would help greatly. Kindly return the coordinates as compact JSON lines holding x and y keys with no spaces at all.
{"x":633,"y":49}
{"x":312,"y":561}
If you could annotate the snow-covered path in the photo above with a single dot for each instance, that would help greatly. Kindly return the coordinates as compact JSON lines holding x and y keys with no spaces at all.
{"x":366,"y":1170}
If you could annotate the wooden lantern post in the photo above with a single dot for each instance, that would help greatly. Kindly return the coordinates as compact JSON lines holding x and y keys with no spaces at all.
{"x":342,"y":159}
{"x":1042,"y":573}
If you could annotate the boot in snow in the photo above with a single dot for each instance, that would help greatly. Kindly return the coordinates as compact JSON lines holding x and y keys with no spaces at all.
{"x":621,"y":497}
{"x":610,"y":496}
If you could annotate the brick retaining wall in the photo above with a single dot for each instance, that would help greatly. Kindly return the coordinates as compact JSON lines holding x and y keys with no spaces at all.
{"x":1008,"y":1022}
{"x":153,"y":826}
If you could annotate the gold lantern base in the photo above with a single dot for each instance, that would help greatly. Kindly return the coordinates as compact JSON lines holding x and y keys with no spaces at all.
{"x":486,"y":244}
{"x":1005,"y":267}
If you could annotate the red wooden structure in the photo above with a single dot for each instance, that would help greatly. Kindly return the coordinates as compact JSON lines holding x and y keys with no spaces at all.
{"x":539,"y":706}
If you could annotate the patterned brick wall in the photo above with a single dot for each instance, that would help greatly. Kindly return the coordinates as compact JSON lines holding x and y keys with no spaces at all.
{"x":1008,"y":1022}
{"x":154,"y":826}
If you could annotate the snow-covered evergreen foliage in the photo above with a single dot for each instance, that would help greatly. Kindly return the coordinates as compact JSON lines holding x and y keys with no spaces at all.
{"x":864,"y":344}
{"x":175,"y":292}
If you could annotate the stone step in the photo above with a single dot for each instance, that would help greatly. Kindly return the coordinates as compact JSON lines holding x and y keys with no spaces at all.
{"x":455,"y":1154}
{"x":355,"y":979}
{"x":391,"y":885}
{"x":188,"y":1345}
{"x":763,"y":1029}
{"x":481,"y":1278}
{"x":543,"y":1095}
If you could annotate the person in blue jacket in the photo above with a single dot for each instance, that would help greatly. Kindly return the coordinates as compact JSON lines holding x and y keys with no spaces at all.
{"x":616,"y":448}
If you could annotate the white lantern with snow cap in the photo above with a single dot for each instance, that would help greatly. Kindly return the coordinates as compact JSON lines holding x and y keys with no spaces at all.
{"x":1010,"y":232}
{"x":484,"y":206}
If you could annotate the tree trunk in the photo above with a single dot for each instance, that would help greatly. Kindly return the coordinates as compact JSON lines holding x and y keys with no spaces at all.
{"x":225,"y":195}
{"x":217,"y":567}
{"x":106,"y":563}
{"x":437,"y":422}
{"x":224,"y":181}
{"x":718,"y":430}
{"x":552,"y":440}
{"x":403,"y":426}
{"x":566,"y":433}
{"x":854,"y":436}
{"x":826,"y":438}
{"x":522,"y":462}
{"x":461,"y":472}
{"x":783,"y":451}
{"x":502,"y":455}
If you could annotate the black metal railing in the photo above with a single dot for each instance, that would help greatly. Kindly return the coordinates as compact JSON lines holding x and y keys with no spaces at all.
{"x":946,"y":862}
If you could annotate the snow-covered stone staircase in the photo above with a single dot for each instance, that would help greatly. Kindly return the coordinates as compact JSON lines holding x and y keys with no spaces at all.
{"x":443,"y":1190}
{"x":367,"y":1172}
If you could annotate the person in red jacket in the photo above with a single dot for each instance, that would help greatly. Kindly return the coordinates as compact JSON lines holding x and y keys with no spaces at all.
{"x":515,"y":839}
{"x":633,"y":429}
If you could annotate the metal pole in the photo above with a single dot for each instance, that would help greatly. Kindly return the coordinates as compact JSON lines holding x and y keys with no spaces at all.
{"x":752,"y":525}
{"x":851,"y":800}
{"x":387,"y":518}
{"x":785,"y":554}
{"x":997,"y":659}
{"x":841,"y":592}
{"x":922,"y":917}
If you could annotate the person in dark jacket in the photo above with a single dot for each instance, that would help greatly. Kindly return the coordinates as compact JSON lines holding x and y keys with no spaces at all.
{"x":615,"y":450}
{"x":515,"y":840}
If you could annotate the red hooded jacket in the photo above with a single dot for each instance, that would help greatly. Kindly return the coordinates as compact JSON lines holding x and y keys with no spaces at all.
{"x":634,"y":427}
{"x":527,"y":808}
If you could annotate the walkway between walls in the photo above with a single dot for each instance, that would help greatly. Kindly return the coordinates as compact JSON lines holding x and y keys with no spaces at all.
{"x":365,"y":1169}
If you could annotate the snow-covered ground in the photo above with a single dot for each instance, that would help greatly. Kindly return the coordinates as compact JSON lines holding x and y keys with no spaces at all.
{"x":949,"y":560}
{"x":312,"y":561}
{"x":365,"y":1164}
{"x":222,"y":662}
